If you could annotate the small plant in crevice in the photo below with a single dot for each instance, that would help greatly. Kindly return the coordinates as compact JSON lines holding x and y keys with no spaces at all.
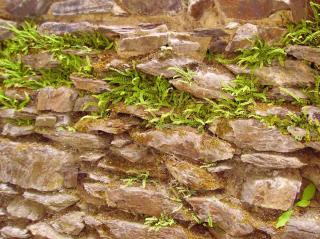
{"x":259,"y":55}
{"x":308,"y":194}
{"x":157,"y":223}
{"x":21,"y":122}
{"x":141,"y":178}
{"x":186,"y":75}
{"x":307,"y":32}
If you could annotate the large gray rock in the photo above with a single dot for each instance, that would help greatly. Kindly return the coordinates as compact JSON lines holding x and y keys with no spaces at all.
{"x":271,"y":189}
{"x":54,"y":201}
{"x":152,"y":7}
{"x":59,"y":100}
{"x":127,"y":230}
{"x":193,"y":176}
{"x":71,"y":223}
{"x":276,"y":161}
{"x":252,"y":134}
{"x":77,"y":7}
{"x":24,"y":208}
{"x":33,"y":165}
{"x":307,"y":53}
{"x":187,"y":142}
{"x":157,"y":67}
{"x":230,"y":217}
{"x":76,"y":140}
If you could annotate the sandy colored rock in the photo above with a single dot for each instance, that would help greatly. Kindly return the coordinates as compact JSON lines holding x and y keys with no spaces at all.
{"x":76,"y":140}
{"x":152,"y":200}
{"x":152,"y":7}
{"x":229,"y":217}
{"x":187,"y":142}
{"x":307,"y":53}
{"x":132,"y":152}
{"x":59,"y":100}
{"x":160,"y":67}
{"x":46,"y":121}
{"x":312,"y":173}
{"x":87,"y":103}
{"x":33,"y":165}
{"x":54,"y":201}
{"x":276,"y":161}
{"x":71,"y":223}
{"x":43,"y":229}
{"x":60,"y":28}
{"x":193,"y":176}
{"x":252,"y":134}
{"x":14,"y":232}
{"x":24,"y":208}
{"x":89,"y":84}
{"x":273,"y":190}
{"x":42,"y":60}
{"x":243,"y":37}
{"x":76,"y":7}
{"x":14,"y":131}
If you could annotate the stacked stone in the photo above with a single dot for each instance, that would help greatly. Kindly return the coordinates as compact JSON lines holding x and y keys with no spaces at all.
{"x":64,"y":184}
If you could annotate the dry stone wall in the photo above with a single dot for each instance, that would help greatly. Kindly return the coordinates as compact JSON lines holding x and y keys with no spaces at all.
{"x":70,"y":170}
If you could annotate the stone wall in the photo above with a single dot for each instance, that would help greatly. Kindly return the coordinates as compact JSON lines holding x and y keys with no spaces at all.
{"x":105,"y":177}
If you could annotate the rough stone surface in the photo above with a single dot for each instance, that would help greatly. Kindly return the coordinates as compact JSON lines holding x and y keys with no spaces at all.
{"x":43,"y":229}
{"x":193,"y":176}
{"x":196,"y":8}
{"x":132,"y":152}
{"x":5,"y":33}
{"x":24,"y":208}
{"x":243,"y":37}
{"x":275,"y":161}
{"x":71,"y":223}
{"x":305,"y":53}
{"x":186,"y":142}
{"x":28,"y":8}
{"x":46,"y":121}
{"x":14,"y":232}
{"x":16,"y":131}
{"x":42,"y":60}
{"x":33,"y":165}
{"x":152,"y":7}
{"x":274,"y":189}
{"x":60,"y":28}
{"x":229,"y":217}
{"x":150,"y":200}
{"x":89,"y":84}
{"x":160,"y":67}
{"x":126,"y":230}
{"x":77,"y":140}
{"x":252,"y":134}
{"x":53,"y":201}
{"x":58,"y":100}
{"x":75,"y":7}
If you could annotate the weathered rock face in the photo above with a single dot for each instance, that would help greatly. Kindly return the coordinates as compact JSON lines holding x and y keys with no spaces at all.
{"x":252,"y":134}
{"x":229,"y":217}
{"x":250,"y":9}
{"x":78,"y":160}
{"x":150,"y":200}
{"x":274,"y":189}
{"x":186,"y":142}
{"x":59,"y":100}
{"x":32,"y":165}
{"x":127,"y":230}
{"x":152,"y":7}
{"x":265,"y":160}
{"x":193,"y":176}
{"x":73,"y":7}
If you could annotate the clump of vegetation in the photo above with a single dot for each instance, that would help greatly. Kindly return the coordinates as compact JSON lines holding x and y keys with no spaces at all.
{"x":156,"y":224}
{"x":307,"y":32}
{"x":308,"y":194}
{"x":21,"y":122}
{"x":259,"y":55}
{"x":141,"y":178}
{"x":9,"y":103}
{"x":28,"y":40}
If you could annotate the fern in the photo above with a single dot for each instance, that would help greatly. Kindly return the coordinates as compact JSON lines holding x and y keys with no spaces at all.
{"x":156,"y":224}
